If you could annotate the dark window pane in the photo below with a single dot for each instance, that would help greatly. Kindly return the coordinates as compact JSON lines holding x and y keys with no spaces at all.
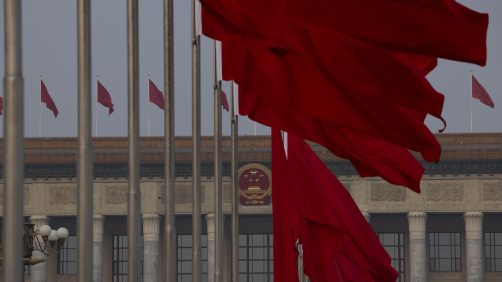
{"x":120,"y":257}
{"x":184,"y":257}
{"x":255,"y":257}
{"x":67,"y":256}
{"x":493,"y":252}
{"x":444,"y":252}
{"x":394,"y":245}
{"x":242,"y":253}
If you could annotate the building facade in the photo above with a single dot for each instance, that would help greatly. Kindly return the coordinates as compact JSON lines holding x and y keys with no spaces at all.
{"x":452,"y":231}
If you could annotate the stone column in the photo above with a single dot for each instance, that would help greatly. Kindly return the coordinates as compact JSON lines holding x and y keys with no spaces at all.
{"x":474,"y":246}
{"x":97,"y":245}
{"x":151,"y":247}
{"x":210,"y":246}
{"x":418,"y":247}
{"x":39,"y":271}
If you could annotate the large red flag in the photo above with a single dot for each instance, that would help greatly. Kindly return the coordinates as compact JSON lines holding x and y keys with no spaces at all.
{"x":437,"y":28}
{"x":104,"y":98}
{"x":286,"y":220}
{"x":360,"y":253}
{"x":155,"y":95}
{"x":1,"y":105}
{"x":479,"y":92}
{"x":294,"y":82}
{"x":315,"y":209}
{"x":370,"y":156}
{"x":361,"y":70}
{"x":359,"y":245}
{"x":333,"y":84}
{"x":45,"y":97}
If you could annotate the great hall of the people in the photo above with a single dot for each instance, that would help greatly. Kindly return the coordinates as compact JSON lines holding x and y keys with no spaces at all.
{"x":453,"y":228}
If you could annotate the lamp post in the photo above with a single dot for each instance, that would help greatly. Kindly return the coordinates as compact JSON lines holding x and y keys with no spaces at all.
{"x":36,"y":240}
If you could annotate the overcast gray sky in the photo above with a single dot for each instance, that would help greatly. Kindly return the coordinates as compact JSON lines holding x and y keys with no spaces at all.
{"x":49,"y":50}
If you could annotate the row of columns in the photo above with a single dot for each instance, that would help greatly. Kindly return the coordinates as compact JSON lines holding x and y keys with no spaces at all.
{"x":151,"y":245}
{"x":43,"y":272}
{"x":418,"y":246}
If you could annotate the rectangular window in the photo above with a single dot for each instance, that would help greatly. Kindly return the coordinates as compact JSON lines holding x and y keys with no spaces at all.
{"x":493,"y":251}
{"x":67,"y":256}
{"x":394,"y":245}
{"x":119,"y":258}
{"x":256,"y":258}
{"x":184,"y":257}
{"x":444,"y":252}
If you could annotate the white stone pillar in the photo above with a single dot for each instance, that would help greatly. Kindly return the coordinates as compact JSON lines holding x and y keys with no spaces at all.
{"x":97,"y":245}
{"x":39,"y":271}
{"x":474,"y":246}
{"x":418,"y":247}
{"x":210,"y":246}
{"x":151,"y":247}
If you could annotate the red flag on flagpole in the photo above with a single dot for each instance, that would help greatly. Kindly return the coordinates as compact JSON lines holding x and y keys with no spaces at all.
{"x":104,"y":98}
{"x":327,"y":208}
{"x":46,"y":98}
{"x":1,"y":105}
{"x":313,"y":208}
{"x":155,"y":95}
{"x":479,"y":92}
{"x":224,"y":101}
{"x":286,"y":220}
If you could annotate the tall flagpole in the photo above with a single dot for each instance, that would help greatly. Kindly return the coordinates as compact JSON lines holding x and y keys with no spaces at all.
{"x":13,"y":213}
{"x":235,"y":189}
{"x":148,"y":106}
{"x":40,"y":116}
{"x":133,"y":212}
{"x":85,"y":166}
{"x":218,"y":234}
{"x":196,"y":144}
{"x":40,"y":121}
{"x":96,"y":108}
{"x":169,"y":162}
{"x":471,"y":101}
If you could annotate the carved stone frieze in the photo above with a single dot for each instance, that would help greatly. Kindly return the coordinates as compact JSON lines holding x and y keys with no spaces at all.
{"x":62,"y":195}
{"x":26,"y":196}
{"x":445,"y":192}
{"x":183,"y":193}
{"x":116,"y":194}
{"x":383,"y":192}
{"x":492,"y":192}
{"x":227,"y":193}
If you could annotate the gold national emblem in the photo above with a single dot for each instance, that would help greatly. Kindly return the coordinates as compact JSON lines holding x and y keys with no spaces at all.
{"x":254,"y":184}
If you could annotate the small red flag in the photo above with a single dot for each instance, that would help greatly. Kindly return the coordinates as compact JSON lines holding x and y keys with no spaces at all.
{"x":156,"y":96}
{"x":479,"y":92}
{"x":1,"y":105}
{"x":46,"y":98}
{"x":224,"y":101}
{"x":104,"y":98}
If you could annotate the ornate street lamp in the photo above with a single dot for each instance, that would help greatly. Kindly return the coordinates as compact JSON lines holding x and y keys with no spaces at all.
{"x":36,"y":240}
